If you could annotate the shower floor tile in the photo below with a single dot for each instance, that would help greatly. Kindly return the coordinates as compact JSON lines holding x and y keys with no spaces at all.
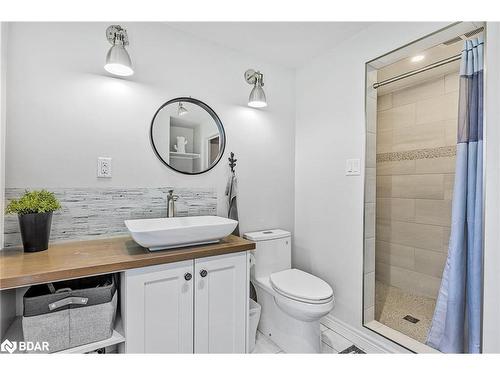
{"x":393,"y":304}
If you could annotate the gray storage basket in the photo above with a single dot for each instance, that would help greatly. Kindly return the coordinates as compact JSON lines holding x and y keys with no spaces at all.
{"x":70,"y":313}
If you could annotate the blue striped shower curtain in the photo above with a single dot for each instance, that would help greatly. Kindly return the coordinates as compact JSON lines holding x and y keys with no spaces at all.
{"x":456,"y":325}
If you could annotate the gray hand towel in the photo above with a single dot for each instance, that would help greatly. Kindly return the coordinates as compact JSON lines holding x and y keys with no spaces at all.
{"x":231,"y":193}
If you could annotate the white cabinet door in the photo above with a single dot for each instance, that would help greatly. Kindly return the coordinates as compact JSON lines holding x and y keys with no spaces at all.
{"x":220,"y":312}
{"x":157,"y":308}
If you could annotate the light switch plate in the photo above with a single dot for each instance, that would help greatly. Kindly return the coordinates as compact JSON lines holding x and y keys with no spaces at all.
{"x":104,"y":167}
{"x":353,"y":167}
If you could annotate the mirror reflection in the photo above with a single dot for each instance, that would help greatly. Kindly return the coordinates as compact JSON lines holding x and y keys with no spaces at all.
{"x":187,"y":135}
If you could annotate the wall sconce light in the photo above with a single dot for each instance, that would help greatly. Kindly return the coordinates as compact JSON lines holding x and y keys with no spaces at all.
{"x":181,"y":111}
{"x":257,"y":98}
{"x":118,"y":60}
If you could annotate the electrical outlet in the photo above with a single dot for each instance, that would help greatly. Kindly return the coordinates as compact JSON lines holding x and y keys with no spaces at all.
{"x":353,"y":167}
{"x":103,"y":167}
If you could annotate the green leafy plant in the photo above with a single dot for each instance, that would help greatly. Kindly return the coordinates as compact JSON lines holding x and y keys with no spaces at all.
{"x":34,"y":202}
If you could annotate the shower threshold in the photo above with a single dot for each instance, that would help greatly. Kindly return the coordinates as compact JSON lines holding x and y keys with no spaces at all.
{"x":400,"y":338}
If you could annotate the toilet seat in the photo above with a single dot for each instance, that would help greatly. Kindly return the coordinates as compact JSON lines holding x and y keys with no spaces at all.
{"x":301,"y":286}
{"x":304,"y":310}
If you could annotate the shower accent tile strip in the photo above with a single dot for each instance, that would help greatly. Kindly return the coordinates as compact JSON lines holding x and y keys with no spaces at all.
{"x":423,"y":153}
{"x":89,"y":213}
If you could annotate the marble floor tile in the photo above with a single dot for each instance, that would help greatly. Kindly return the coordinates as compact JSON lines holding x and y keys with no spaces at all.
{"x":326,"y":349}
{"x":331,"y":343}
{"x":334,"y":340}
{"x":265,"y":346}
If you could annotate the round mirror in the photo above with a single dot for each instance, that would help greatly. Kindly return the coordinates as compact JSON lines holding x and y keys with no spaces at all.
{"x":187,"y":136}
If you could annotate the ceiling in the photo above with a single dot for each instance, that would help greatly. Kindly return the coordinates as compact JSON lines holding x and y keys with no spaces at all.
{"x":439,"y":46}
{"x":290,"y":44}
{"x":431,"y":56}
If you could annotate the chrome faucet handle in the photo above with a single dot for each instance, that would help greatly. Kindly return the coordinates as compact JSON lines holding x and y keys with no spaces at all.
{"x":171,"y":194}
{"x":171,"y":198}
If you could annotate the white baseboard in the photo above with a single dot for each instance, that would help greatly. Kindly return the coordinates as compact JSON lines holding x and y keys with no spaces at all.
{"x":361,"y":339}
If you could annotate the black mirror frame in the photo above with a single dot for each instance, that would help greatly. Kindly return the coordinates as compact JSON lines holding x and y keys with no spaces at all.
{"x":212,"y":113}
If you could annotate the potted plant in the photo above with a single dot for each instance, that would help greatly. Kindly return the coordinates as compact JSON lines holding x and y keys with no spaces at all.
{"x":34,"y":210}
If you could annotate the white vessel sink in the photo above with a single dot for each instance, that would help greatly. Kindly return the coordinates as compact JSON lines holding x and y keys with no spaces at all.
{"x":168,"y":233}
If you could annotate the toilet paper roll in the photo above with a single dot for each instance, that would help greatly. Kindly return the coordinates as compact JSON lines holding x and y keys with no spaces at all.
{"x":251,"y":260}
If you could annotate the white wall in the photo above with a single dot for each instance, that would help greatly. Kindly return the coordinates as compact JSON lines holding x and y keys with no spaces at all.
{"x":64,"y":111}
{"x":3,"y":70}
{"x":491,"y":328}
{"x":7,"y":297}
{"x":330,"y":128}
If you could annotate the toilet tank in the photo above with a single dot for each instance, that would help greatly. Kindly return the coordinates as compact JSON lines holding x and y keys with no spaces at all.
{"x":273,"y":251}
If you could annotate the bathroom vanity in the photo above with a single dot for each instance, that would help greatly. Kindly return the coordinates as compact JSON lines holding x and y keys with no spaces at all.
{"x":168,"y":299}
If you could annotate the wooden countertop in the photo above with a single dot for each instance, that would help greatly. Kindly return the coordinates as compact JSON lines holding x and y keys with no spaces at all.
{"x":72,"y":260}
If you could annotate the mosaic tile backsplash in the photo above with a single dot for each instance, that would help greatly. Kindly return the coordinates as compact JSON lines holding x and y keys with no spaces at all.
{"x":94,"y":212}
{"x":423,"y":153}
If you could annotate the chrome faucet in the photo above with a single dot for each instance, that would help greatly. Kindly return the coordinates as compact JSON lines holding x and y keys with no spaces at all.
{"x":171,"y":198}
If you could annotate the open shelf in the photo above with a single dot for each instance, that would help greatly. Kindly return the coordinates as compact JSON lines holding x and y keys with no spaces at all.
{"x":183,"y":155}
{"x":15,"y":333}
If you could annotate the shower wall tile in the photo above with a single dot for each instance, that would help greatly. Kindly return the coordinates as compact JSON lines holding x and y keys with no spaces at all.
{"x":385,"y":141}
{"x":390,"y":168}
{"x":451,"y":82}
{"x":384,"y":187}
{"x":410,"y":234}
{"x":369,"y":314}
{"x":384,"y":102}
{"x":371,"y":114}
{"x":369,"y":298}
{"x":428,"y":186}
{"x":438,"y":165}
{"x":370,"y":185}
{"x":450,"y":126}
{"x":422,"y":153}
{"x":429,"y":262}
{"x":369,"y":220}
{"x":415,"y":186}
{"x":437,"y":212}
{"x":416,"y":137}
{"x":396,"y":255}
{"x":369,"y":255}
{"x":422,"y":235}
{"x":99,"y":212}
{"x":409,"y":281}
{"x":396,"y":209}
{"x":396,"y":117}
{"x":424,"y":90}
{"x":403,"y":186}
{"x":371,"y":144}
{"x":414,"y":183}
{"x":383,"y":272}
{"x":438,"y":108}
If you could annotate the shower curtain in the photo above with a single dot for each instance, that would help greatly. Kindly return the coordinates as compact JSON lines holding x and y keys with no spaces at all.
{"x":456,"y":325}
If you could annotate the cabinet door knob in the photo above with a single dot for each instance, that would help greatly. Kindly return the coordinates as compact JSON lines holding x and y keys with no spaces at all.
{"x":203,"y":273}
{"x":187,"y":276}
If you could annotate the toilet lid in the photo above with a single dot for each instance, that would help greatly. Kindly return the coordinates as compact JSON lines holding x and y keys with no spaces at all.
{"x":301,"y":285}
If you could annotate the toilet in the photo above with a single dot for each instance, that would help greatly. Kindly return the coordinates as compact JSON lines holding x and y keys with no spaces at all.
{"x":293,"y":301}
